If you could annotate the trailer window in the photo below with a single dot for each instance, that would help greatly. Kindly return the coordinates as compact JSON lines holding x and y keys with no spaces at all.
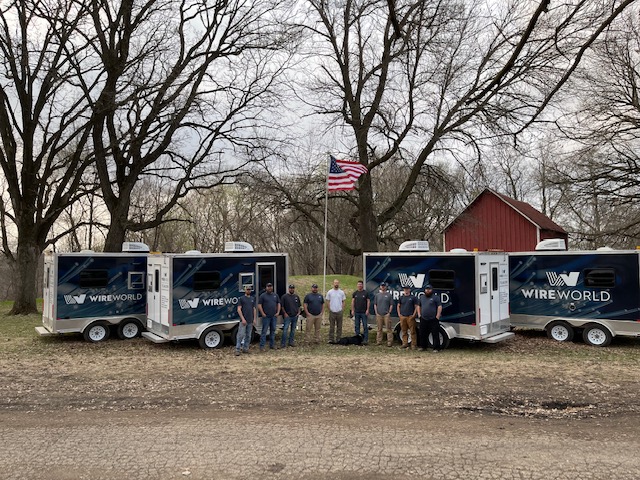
{"x":246,"y":280}
{"x":600,"y":278}
{"x":136,"y":280}
{"x":494,"y":279}
{"x":94,"y":278}
{"x":442,"y":279}
{"x":206,"y":281}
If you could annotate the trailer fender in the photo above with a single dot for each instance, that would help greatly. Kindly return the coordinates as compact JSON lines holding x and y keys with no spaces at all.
{"x":224,"y":327}
{"x":449,"y":330}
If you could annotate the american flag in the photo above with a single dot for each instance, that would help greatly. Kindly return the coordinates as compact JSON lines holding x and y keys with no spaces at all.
{"x":343,"y":174}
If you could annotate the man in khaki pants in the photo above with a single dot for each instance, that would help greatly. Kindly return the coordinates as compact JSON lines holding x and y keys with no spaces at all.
{"x":407,"y":311}
{"x":382,"y":304}
{"x":313,"y":303}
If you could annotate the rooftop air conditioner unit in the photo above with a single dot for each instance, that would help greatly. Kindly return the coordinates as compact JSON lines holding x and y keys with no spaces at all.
{"x":237,"y":247}
{"x":458,"y":250}
{"x":193,"y":252}
{"x":135,"y":247}
{"x":414,"y":246}
{"x":552,"y":244}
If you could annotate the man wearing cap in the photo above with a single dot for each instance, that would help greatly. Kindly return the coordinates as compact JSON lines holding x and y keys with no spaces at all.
{"x":382,"y":305}
{"x":247,"y":314}
{"x":336,"y":298}
{"x":313,"y":303}
{"x":430,"y":311}
{"x":407,"y":310}
{"x":290,"y":309}
{"x":360,"y":303}
{"x":269,"y":308}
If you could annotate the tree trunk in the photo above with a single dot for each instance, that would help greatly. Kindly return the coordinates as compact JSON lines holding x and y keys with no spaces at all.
{"x":367,"y":219}
{"x":116,"y":234}
{"x":25,"y":270}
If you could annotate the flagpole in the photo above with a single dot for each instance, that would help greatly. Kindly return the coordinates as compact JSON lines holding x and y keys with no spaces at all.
{"x":326,"y":212}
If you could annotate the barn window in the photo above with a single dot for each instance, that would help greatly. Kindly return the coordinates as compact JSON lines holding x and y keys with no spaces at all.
{"x":600,"y":278}
{"x":206,"y":281}
{"x":442,"y":279}
{"x":94,"y":278}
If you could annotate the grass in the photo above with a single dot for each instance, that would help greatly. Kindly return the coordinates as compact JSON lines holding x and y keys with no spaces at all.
{"x":303,"y":283}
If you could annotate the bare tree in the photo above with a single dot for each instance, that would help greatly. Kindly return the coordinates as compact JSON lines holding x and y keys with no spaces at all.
{"x":44,"y":127}
{"x":457,"y":73}
{"x":185,"y":85}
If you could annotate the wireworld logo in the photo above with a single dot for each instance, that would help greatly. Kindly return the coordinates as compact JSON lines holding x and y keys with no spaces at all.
{"x":414,"y":281}
{"x":563,"y":279}
{"x":187,"y":304}
{"x":75,"y":299}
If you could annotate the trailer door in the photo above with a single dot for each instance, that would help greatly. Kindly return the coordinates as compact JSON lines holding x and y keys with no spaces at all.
{"x":495,"y":292}
{"x":49,"y":294}
{"x":265,"y":273}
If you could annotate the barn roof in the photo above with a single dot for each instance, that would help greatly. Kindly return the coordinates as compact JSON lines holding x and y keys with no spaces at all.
{"x":527,"y":211}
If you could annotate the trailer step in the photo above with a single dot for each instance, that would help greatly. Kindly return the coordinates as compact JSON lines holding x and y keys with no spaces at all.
{"x":43,"y":332}
{"x":154,"y":338}
{"x":499,"y":338}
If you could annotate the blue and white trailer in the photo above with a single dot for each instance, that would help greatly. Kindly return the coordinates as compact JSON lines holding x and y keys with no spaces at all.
{"x":473,"y":288}
{"x":89,"y":292}
{"x":595,"y":293}
{"x":195,"y":295}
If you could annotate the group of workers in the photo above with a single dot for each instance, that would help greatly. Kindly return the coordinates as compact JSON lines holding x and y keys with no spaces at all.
{"x":269,"y":305}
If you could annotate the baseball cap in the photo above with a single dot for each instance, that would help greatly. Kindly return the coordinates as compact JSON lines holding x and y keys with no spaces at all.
{"x":383,"y":284}
{"x":428,"y":285}
{"x":269,"y":284}
{"x":291,"y":285}
{"x":315,"y":285}
{"x":407,"y":286}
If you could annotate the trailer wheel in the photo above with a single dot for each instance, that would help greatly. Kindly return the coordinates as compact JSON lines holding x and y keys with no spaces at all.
{"x":596,"y":335}
{"x":129,"y":329}
{"x":211,"y":338}
{"x":560,"y":331}
{"x":397,"y":335}
{"x":96,"y":332}
{"x":444,"y":340}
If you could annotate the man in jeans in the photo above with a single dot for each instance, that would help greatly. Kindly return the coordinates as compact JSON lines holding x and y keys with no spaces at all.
{"x":360,"y":303}
{"x":290,"y":309}
{"x":407,"y":312}
{"x":313,"y":303}
{"x":247,"y":314}
{"x":336,"y":298}
{"x":382,"y":304}
{"x":269,"y":308}
{"x":430,"y":311}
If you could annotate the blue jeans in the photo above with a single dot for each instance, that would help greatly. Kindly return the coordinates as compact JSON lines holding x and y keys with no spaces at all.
{"x":362,"y":318}
{"x":292,"y":323}
{"x":268,"y":323}
{"x":244,"y":336}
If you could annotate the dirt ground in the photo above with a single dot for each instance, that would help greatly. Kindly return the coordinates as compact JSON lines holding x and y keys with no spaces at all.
{"x":523,"y":387}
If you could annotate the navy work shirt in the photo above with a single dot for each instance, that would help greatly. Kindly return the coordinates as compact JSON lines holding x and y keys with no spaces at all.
{"x":247,"y":304}
{"x":269,"y":302}
{"x":429,"y":306}
{"x":314,"y":303}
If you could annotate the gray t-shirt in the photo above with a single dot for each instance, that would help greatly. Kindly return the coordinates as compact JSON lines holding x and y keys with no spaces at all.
{"x":429,"y":306}
{"x":269,"y":302}
{"x":383,"y":301}
{"x":407,"y":305}
{"x":314,"y":303}
{"x":290,"y":304}
{"x":247,"y":304}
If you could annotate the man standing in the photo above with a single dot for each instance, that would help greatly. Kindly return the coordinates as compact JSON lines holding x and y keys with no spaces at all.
{"x":247,"y":314}
{"x":313,"y":310}
{"x":269,"y":308}
{"x":336,"y":298}
{"x":430,"y":311}
{"x":290,"y":310}
{"x":360,"y":303}
{"x":407,"y":311}
{"x":382,"y":304}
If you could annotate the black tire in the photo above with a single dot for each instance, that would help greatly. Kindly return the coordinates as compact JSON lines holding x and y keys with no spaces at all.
{"x":129,"y":328}
{"x":397,"y":335}
{"x":233,"y":336}
{"x":560,"y":331}
{"x":596,"y":335}
{"x":97,"y":332}
{"x":211,"y":338}
{"x":444,"y":340}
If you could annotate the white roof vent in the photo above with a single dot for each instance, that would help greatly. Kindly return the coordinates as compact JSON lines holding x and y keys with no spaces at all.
{"x":458,"y":250}
{"x":604,"y":249}
{"x":235,"y":247}
{"x":134,"y":247}
{"x":552,"y":244}
{"x":414,"y":246}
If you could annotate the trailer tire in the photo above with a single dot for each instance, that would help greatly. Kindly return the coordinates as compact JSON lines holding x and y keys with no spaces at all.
{"x":560,"y":331}
{"x":233,"y":336}
{"x":211,"y":338}
{"x":129,"y":329}
{"x":397,"y":335}
{"x":444,"y":339}
{"x":596,"y":335}
{"x":96,"y":332}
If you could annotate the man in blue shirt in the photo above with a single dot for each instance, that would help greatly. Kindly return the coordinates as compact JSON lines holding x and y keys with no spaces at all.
{"x":407,"y":311}
{"x":247,"y":314}
{"x":269,"y":308}
{"x":430,"y":311}
{"x":290,"y":309}
{"x":313,"y":303}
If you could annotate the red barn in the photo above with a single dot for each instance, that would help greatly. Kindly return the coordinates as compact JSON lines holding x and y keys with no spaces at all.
{"x":496,"y":222}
